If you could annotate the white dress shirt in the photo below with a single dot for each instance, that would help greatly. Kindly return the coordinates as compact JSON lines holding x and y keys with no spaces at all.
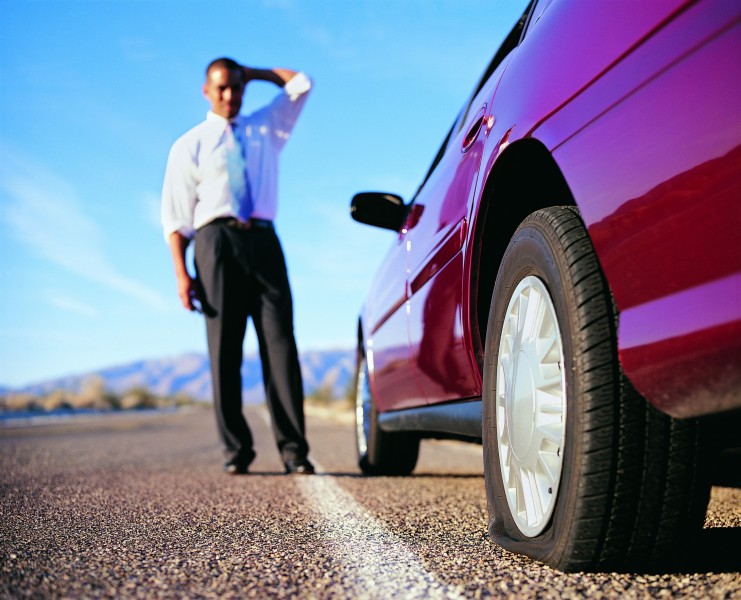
{"x":196,"y":189}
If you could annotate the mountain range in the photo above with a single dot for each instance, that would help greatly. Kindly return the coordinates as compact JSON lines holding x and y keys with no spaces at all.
{"x":326,"y":370}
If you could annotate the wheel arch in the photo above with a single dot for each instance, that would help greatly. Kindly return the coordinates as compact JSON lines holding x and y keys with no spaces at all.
{"x":525,"y":178}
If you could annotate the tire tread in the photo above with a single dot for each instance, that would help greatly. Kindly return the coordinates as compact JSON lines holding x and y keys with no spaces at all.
{"x":640,"y":486}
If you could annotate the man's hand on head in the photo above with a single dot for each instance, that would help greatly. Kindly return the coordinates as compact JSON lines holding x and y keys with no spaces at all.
{"x":277,"y":76}
{"x":247,"y":74}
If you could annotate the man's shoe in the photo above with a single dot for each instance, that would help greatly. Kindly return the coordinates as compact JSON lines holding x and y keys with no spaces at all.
{"x":299,"y":466}
{"x":236,"y":467}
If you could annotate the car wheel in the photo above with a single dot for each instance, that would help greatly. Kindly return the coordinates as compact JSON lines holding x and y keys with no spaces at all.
{"x":581,"y":473}
{"x":379,"y":452}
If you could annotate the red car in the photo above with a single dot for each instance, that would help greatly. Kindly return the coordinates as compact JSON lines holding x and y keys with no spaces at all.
{"x":565,"y":285}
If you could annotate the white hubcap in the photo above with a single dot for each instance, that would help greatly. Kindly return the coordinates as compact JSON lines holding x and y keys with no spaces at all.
{"x":531,"y":405}
{"x":362,"y":408}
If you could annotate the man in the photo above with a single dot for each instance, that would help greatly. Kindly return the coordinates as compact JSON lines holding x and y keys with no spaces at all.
{"x":221,"y":189}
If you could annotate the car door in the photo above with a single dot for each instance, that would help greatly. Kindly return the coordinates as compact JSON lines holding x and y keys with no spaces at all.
{"x":419,"y":350}
{"x":439,"y":344}
{"x":391,"y":371}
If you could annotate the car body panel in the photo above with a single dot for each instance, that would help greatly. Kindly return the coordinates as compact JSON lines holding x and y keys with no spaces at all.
{"x":641,"y":112}
{"x":392,"y":380}
{"x":439,"y":345}
{"x":665,"y":222}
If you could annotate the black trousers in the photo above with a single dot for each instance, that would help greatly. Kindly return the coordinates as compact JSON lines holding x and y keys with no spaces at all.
{"x":242,"y":274}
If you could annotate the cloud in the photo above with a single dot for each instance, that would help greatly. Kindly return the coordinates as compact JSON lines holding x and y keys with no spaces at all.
{"x":72,"y":305}
{"x":151,"y":209}
{"x":42,"y":211}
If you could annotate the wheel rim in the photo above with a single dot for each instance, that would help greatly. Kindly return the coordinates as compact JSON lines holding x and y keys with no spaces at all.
{"x":531,"y":406}
{"x":362,"y":408}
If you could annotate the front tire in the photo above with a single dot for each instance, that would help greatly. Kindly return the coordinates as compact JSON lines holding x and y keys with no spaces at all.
{"x":581,"y":473}
{"x":379,"y":452}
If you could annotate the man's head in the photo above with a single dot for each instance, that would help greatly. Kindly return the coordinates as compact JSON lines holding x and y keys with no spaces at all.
{"x":224,"y":87}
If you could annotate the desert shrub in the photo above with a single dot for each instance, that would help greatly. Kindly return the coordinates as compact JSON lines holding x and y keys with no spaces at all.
{"x":183,"y":399}
{"x":138,"y":398}
{"x":58,"y":399}
{"x":21,"y":401}
{"x":95,"y":395}
{"x":322,"y":395}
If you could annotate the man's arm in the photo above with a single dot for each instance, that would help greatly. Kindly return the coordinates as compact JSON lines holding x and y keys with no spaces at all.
{"x":186,"y":286}
{"x":277,"y":76}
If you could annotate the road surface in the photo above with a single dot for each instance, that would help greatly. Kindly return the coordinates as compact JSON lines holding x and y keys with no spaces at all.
{"x":137,"y":506}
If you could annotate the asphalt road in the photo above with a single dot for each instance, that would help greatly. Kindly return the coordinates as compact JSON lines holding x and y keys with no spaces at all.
{"x":137,"y":506}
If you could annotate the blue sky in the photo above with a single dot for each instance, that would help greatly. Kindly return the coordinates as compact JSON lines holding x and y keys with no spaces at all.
{"x":92,"y":95}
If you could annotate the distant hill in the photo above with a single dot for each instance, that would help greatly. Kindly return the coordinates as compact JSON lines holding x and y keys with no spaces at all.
{"x":189,"y":374}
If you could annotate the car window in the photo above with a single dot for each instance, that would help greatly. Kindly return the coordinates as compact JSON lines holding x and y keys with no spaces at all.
{"x":438,"y":158}
{"x":538,"y":8}
{"x":509,"y":44}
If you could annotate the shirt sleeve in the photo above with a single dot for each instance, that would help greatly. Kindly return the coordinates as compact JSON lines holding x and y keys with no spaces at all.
{"x":297,"y":86}
{"x":284,"y":110}
{"x":179,"y":192}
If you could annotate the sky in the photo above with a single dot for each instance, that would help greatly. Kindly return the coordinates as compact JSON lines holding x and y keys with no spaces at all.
{"x":94,"y":92}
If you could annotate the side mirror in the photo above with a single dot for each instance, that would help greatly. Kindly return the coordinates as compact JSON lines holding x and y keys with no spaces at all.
{"x":387,"y":211}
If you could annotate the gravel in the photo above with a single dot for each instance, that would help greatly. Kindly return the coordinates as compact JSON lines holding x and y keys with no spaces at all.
{"x":138,"y":507}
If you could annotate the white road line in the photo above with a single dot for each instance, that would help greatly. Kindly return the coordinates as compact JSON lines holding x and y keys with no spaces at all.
{"x":377,"y":562}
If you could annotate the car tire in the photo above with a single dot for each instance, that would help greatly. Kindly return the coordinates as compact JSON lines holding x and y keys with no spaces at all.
{"x":379,"y":452}
{"x":581,"y":472}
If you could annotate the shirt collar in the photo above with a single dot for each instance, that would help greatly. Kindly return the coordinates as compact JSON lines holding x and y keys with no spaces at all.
{"x":212,"y":117}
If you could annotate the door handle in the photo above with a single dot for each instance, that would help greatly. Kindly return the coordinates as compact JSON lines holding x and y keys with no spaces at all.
{"x":474,"y":130}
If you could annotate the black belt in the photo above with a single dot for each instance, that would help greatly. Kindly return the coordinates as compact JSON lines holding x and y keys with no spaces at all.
{"x":243,"y":225}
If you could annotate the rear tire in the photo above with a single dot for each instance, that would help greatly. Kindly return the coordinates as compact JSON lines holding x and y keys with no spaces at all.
{"x":581,"y":474}
{"x":379,"y":452}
